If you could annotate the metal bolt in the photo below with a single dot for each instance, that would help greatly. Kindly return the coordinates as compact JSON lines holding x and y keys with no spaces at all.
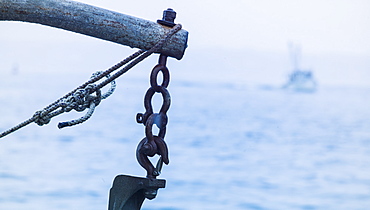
{"x":169,"y":15}
{"x":168,"y":18}
{"x":156,"y":173}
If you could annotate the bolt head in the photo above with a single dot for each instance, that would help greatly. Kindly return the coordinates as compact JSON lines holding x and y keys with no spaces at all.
{"x":169,"y":15}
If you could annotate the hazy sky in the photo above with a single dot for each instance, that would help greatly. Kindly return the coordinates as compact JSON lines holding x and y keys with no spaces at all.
{"x":341,"y":26}
{"x":320,"y":26}
{"x":334,"y":36}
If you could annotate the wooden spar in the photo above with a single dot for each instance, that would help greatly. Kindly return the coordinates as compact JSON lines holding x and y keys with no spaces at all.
{"x":96,"y":22}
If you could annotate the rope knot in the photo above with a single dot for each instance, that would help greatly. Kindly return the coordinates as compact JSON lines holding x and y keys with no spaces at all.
{"x":88,"y":97}
{"x":41,"y":118}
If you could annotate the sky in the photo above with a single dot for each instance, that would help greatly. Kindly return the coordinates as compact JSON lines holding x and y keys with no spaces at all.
{"x":340,"y":28}
{"x":320,"y":26}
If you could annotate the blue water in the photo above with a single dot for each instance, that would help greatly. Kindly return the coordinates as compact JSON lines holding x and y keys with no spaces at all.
{"x":232,"y":146}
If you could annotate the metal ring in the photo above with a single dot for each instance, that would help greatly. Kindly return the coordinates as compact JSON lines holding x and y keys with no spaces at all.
{"x":154,"y":77}
{"x":166,"y":99}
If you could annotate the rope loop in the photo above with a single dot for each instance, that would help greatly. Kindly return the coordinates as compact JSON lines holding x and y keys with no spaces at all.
{"x":85,"y":98}
{"x":112,"y":84}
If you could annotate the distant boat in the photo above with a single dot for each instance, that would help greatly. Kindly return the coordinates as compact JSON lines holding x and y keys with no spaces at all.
{"x":299,"y":80}
{"x":302,"y":81}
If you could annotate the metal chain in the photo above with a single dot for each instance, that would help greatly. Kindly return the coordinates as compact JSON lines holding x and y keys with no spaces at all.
{"x":43,"y":117}
{"x":155,"y":144}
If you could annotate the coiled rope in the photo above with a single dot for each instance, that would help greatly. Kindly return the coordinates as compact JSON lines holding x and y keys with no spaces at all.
{"x":82,"y":97}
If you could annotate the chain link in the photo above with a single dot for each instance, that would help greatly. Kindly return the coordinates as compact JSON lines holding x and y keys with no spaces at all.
{"x":155,"y":144}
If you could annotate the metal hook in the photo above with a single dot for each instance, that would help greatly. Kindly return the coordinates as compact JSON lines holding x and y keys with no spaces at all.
{"x":145,"y":149}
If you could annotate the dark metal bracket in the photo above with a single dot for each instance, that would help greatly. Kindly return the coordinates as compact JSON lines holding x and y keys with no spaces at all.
{"x":129,"y":192}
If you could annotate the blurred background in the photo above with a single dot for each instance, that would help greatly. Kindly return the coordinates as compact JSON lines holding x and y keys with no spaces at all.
{"x":237,"y":140}
{"x":248,"y":38}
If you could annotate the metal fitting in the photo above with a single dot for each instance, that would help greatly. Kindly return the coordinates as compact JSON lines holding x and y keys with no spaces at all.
{"x":168,"y":19}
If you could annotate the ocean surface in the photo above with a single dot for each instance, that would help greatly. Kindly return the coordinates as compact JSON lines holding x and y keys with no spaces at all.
{"x":232,"y":146}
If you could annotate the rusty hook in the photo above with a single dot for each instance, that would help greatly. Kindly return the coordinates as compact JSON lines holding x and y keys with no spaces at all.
{"x":147,"y":148}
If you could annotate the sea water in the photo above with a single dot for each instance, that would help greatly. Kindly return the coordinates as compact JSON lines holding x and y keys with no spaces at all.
{"x":232,"y":146}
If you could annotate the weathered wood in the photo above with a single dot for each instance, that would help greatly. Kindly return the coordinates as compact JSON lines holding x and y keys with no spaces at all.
{"x":96,"y":22}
